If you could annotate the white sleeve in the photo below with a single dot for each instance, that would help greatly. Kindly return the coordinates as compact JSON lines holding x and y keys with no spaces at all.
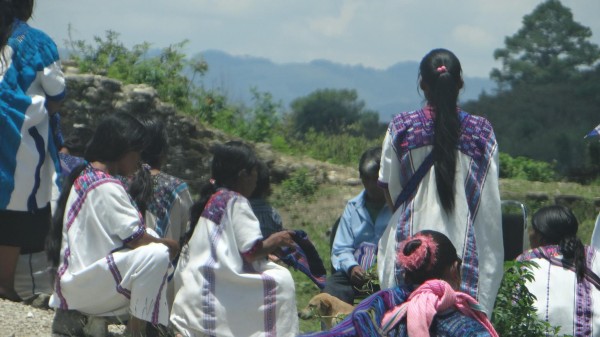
{"x":246,"y":227}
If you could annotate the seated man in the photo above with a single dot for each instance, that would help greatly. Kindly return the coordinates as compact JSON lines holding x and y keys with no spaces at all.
{"x":361,"y":225}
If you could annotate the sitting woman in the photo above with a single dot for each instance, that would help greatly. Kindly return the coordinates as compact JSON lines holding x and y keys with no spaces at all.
{"x":224,"y":284}
{"x":107,"y":264}
{"x":566,"y":284}
{"x":427,"y":305}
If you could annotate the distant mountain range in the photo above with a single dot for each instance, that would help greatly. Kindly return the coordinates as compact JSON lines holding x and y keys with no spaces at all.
{"x":387,"y":91}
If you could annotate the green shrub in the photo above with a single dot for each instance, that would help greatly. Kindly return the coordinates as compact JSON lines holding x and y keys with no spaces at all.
{"x":526,"y":169}
{"x":514,"y":311}
{"x":299,"y":184}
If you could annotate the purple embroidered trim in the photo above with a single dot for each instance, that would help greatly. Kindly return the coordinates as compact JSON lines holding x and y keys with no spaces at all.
{"x":258,"y":244}
{"x":215,"y":208}
{"x":415,"y":129}
{"x":60,"y":273}
{"x":584,"y":310}
{"x":270,"y":303}
{"x":208,"y":287}
{"x":117,"y":276}
{"x":156,"y":311}
{"x":136,"y":235}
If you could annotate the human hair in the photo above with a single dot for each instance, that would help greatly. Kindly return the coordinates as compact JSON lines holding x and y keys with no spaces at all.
{"x":77,"y":140}
{"x":425,"y":256}
{"x":558,"y":226}
{"x":440,"y":73}
{"x":369,"y":163}
{"x":116,"y":135}
{"x":263,"y":181}
{"x":159,"y":142}
{"x":9,"y":11}
{"x":228,"y":161}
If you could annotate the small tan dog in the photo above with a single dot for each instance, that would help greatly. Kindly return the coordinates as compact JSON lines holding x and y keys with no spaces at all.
{"x":331,"y":309}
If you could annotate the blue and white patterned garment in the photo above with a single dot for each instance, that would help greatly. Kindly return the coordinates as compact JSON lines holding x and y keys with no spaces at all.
{"x":475,"y":225}
{"x":30,"y":74}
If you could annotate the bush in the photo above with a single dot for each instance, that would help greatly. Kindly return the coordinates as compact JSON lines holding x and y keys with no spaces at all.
{"x":526,"y":169}
{"x":514,"y":311}
{"x":299,"y":184}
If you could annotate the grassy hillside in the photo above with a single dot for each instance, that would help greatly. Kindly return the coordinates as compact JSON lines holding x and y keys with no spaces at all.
{"x":316,"y":215}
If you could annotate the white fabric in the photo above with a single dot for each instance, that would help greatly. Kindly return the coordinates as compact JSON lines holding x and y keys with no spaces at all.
{"x":96,"y":282}
{"x":425,"y":212}
{"x":555,"y":289}
{"x":217,"y":292}
{"x":178,"y":216}
{"x":596,"y":234}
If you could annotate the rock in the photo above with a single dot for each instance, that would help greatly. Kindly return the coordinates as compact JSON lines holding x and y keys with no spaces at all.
{"x":90,"y":97}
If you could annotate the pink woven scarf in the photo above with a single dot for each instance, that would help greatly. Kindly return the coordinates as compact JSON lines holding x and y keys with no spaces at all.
{"x":425,"y":302}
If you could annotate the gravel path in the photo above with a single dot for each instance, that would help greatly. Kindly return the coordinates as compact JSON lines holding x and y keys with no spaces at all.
{"x":20,"y":320}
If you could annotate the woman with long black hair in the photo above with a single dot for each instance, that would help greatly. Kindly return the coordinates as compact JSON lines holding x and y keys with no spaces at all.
{"x":439,"y":169}
{"x":566,"y":284}
{"x":107,"y":263}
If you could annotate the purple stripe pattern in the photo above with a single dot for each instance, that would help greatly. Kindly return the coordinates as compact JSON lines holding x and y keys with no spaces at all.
{"x":584,"y":306}
{"x":156,"y":310}
{"x":61,"y":272}
{"x":415,"y":129}
{"x":215,"y":208}
{"x":117,"y":276}
{"x":214,"y":211}
{"x":270,"y":303}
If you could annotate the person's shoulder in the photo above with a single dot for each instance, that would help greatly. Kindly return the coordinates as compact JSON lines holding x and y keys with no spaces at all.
{"x":475,"y":123}
{"x":408,"y":117}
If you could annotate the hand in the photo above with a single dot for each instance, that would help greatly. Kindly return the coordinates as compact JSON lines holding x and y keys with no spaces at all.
{"x":357,"y":276}
{"x":278,"y":240}
{"x":173,"y":247}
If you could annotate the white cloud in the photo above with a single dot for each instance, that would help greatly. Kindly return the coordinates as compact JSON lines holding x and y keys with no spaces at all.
{"x":335,"y":25}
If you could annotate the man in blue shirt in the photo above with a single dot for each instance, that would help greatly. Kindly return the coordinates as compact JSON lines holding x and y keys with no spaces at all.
{"x":355,"y":245}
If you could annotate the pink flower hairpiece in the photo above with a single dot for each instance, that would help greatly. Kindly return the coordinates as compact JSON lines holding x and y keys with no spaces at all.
{"x":424,"y":255}
{"x":441,"y":69}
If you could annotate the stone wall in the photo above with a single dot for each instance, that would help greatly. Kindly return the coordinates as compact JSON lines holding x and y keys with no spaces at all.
{"x":89,"y":97}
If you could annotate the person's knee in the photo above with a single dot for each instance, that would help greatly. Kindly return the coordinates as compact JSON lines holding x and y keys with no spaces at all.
{"x":156,"y":254}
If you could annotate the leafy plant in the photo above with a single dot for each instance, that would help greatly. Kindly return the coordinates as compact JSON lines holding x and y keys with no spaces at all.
{"x":514,"y":312}
{"x":299,"y":184}
{"x":526,"y":169}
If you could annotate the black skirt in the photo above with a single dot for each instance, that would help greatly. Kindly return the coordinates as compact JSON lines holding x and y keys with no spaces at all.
{"x":27,"y":230}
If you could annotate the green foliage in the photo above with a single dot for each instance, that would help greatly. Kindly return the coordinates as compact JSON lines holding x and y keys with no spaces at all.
{"x":341,"y":148}
{"x":514,"y":312}
{"x":526,"y":169}
{"x":299,"y":184}
{"x":332,"y":111}
{"x":165,"y":72}
{"x":550,"y":46}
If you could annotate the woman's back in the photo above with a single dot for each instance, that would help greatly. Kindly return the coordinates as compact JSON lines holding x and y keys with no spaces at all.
{"x":560,"y":299}
{"x":473,"y":225}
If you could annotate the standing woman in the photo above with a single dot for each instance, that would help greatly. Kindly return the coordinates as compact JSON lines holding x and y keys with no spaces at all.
{"x":439,"y":169}
{"x":224,"y":284}
{"x":108,"y":265}
{"x":31,"y":87}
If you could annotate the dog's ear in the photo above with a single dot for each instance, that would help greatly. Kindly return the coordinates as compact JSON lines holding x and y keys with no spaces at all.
{"x":325,"y":306}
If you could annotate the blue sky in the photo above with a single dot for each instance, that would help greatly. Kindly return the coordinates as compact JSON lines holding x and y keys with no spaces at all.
{"x":375,"y":33}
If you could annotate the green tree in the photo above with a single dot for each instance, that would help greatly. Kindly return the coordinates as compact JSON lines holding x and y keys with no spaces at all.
{"x":327,"y":110}
{"x":550,"y":46}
